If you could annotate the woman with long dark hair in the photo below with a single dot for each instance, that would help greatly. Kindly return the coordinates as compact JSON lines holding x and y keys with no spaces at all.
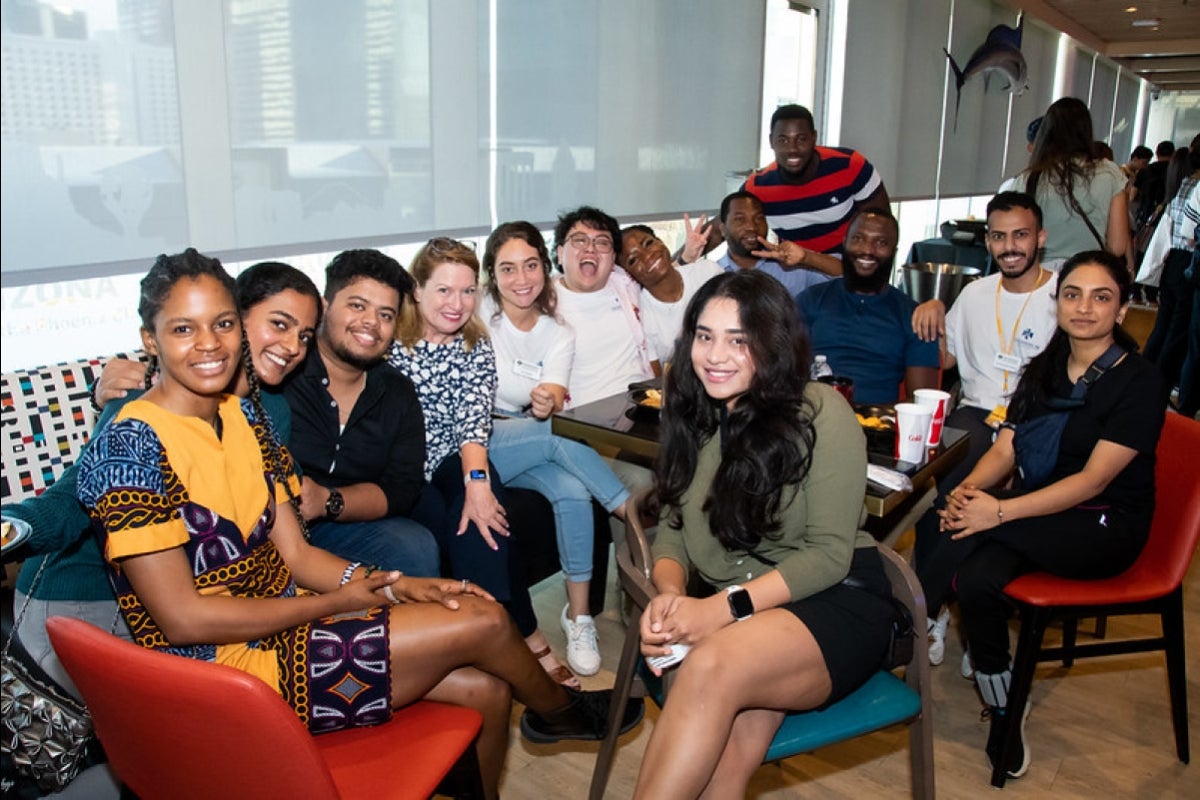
{"x":1089,"y":516}
{"x":760,"y":481}
{"x":1082,"y":197}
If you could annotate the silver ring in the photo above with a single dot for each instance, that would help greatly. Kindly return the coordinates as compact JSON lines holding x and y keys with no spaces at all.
{"x":464,"y":588}
{"x":387,"y":590}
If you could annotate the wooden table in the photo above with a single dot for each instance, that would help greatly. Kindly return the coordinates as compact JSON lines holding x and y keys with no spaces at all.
{"x":619,"y":423}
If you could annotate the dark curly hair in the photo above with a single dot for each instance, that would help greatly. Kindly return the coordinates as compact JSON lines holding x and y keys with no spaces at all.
{"x":768,"y":437}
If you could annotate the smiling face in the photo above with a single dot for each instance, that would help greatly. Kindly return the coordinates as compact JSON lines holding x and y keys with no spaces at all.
{"x":197,"y":337}
{"x":1013,"y":239}
{"x":359,"y":321}
{"x":446,"y":301}
{"x":280,"y":330}
{"x":721,"y":351}
{"x":793,"y":141}
{"x":645,"y":257}
{"x":587,"y":258}
{"x":743,"y":225}
{"x":1089,"y":303}
{"x":519,"y":275}
{"x":870,"y":250}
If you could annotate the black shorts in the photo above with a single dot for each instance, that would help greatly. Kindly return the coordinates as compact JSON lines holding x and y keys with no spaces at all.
{"x":852,"y":626}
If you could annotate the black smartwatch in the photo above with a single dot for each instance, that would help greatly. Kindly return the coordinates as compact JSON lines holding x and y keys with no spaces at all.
{"x":740,"y":604}
{"x":335,"y":505}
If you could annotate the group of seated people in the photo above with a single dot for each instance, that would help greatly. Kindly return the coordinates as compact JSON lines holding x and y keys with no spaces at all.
{"x":288,"y":456}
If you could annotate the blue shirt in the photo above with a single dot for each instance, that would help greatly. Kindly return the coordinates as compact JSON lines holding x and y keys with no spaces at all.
{"x":866,"y":337}
{"x":795,"y":280}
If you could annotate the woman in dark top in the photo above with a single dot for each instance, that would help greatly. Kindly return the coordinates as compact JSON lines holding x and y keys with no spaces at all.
{"x":1090,"y":517}
{"x":761,"y":481}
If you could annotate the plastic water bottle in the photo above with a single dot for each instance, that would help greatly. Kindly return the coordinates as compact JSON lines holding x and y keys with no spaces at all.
{"x":821,"y":368}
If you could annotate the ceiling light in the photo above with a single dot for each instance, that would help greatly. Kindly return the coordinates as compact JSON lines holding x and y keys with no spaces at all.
{"x":1145,"y":23}
{"x":1131,"y":9}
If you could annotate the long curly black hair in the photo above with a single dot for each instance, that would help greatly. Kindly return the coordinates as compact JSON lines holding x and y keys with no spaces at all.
{"x":768,"y":437}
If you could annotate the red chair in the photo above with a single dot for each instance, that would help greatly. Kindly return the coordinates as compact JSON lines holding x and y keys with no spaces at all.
{"x":1153,"y":585}
{"x":175,"y":727}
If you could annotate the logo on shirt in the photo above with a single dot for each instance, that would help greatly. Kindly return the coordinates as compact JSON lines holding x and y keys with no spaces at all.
{"x":833,"y":200}
{"x":1027,"y":334}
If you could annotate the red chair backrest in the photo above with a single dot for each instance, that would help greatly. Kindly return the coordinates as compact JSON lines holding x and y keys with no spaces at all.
{"x":1176,"y":526}
{"x":175,"y":727}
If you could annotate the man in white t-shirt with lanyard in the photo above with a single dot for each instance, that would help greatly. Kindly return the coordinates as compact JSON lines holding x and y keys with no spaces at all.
{"x":996,"y":325}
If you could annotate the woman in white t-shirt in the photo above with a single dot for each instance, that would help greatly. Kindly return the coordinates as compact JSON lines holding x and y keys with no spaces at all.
{"x":534,"y":355}
{"x":1083,"y":199}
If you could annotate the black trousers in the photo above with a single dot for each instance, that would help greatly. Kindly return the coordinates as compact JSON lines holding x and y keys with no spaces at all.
{"x":1077,"y":543}
{"x":1167,"y":345}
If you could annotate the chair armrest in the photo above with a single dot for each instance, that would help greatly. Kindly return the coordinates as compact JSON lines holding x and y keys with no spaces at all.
{"x":907,"y":589}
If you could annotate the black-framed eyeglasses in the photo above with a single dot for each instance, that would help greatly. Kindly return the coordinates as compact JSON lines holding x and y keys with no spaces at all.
{"x":580,"y":241}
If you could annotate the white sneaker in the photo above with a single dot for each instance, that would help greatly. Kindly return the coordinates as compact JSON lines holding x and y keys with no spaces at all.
{"x":583,"y":650}
{"x":937,"y":636}
{"x":967,"y":670}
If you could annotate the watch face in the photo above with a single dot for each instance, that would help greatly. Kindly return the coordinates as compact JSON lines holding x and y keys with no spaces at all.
{"x":740,"y":604}
{"x":335,"y":504}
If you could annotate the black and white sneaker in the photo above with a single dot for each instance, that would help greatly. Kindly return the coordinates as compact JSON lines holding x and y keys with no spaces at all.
{"x":1019,"y":761}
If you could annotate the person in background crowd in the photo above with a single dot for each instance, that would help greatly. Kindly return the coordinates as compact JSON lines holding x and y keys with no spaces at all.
{"x":1082,"y":198}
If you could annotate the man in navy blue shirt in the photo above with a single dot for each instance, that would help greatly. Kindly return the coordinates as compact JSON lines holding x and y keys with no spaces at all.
{"x":862,"y":324}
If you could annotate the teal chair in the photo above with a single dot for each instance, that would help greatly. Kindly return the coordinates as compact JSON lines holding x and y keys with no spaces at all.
{"x":884,"y":700}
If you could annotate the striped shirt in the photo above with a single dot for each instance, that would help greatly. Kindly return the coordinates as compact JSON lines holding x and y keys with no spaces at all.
{"x":815,"y":214}
{"x":1184,"y":212}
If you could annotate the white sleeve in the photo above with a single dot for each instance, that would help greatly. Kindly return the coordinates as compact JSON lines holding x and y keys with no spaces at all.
{"x":556,"y":368}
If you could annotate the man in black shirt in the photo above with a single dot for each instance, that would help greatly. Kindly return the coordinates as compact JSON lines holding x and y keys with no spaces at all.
{"x":357,"y":428}
{"x":1151,"y":183}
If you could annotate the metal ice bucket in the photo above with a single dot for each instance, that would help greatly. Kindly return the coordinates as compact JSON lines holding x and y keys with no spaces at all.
{"x":944,"y":281}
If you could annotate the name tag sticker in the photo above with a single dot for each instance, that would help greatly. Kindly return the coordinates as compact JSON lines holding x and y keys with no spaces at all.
{"x":1007,"y":362}
{"x":527,"y":369}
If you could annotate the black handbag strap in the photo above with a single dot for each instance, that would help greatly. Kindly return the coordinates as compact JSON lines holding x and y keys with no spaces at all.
{"x":1031,"y":183}
{"x":1105,"y":362}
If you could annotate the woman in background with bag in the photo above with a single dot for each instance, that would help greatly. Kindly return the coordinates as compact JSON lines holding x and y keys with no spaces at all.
{"x":1089,"y":517}
{"x":760,"y":479}
{"x":1082,"y":198}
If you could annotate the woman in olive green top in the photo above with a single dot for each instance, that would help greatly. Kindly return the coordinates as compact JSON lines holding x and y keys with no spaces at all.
{"x":760,"y":480}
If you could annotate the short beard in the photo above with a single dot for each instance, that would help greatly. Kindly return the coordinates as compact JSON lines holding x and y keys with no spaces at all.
{"x":866,"y":284}
{"x":353,"y":359}
{"x":1028,"y":265}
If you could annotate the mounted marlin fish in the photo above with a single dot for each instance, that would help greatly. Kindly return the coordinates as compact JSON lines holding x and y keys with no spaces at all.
{"x":1000,"y":53}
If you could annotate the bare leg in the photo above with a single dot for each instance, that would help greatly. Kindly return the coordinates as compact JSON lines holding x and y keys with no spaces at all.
{"x":577,"y":598}
{"x":429,"y":641}
{"x":751,"y":735}
{"x":770,"y":661}
{"x":491,"y":697}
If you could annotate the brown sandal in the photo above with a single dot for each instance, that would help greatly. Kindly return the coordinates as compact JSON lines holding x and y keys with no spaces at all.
{"x":561,"y":674}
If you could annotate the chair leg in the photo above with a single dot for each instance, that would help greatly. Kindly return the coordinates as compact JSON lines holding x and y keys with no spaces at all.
{"x":1029,"y":642}
{"x":626,"y":671}
{"x":465,"y":779}
{"x":1172,"y":626}
{"x":920,"y":755}
{"x":1101,"y":626}
{"x":1070,"y":632}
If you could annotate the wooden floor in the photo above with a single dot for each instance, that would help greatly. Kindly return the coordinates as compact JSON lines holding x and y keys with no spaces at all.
{"x":1099,"y":730}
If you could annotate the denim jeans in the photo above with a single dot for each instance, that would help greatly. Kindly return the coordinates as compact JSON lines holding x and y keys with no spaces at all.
{"x":568,"y":474}
{"x":389,"y":543}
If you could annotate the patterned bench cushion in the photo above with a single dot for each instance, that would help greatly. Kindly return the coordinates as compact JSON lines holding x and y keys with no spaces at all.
{"x":46,"y":419}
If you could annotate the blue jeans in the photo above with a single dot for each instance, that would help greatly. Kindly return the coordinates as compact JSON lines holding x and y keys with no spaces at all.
{"x":389,"y":543}
{"x":568,"y":474}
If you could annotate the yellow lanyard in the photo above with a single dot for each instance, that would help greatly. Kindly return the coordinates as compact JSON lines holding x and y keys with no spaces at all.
{"x":1012,"y":338}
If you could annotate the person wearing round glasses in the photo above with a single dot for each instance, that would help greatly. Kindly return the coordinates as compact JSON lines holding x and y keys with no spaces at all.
{"x":599,"y":300}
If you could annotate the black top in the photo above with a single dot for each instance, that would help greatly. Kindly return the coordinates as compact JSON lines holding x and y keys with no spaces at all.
{"x":1151,"y":185}
{"x":1126,"y":406}
{"x":383,"y":442}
